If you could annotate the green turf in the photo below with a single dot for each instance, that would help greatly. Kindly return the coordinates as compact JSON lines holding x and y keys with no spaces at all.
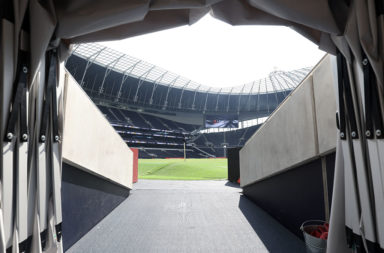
{"x":177,"y":169}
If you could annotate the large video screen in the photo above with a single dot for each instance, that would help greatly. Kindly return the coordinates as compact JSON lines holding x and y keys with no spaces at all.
{"x":221,"y":121}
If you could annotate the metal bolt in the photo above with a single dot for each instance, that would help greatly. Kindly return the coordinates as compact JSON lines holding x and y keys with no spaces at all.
{"x":365,"y":61}
{"x":25,"y":70}
{"x":353,"y":134}
{"x":368,"y":133}
{"x":57,"y":138}
{"x":25,"y":137}
{"x":9,"y":136}
{"x":378,"y":132}
{"x":42,"y":138}
{"x":342,"y":135}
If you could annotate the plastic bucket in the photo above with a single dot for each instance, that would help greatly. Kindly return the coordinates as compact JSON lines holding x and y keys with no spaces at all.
{"x":312,"y":243}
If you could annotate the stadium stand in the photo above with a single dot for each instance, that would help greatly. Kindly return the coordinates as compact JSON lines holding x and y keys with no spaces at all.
{"x":161,"y":138}
{"x":151,"y":108}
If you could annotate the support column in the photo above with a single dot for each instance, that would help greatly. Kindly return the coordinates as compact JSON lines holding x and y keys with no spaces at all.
{"x":108,"y":70}
{"x":240,"y":96}
{"x":141,"y":81}
{"x":194,"y":97}
{"x":217,"y":100}
{"x":206,"y":99}
{"x":156,"y":83}
{"x":91,"y":59}
{"x":169,"y":88}
{"x":182,"y":92}
{"x":125,"y":77}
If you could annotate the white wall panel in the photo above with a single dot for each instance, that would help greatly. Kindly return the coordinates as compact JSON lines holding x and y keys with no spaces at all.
{"x":325,"y":105}
{"x":279,"y":142}
{"x":302,"y":128}
{"x":90,"y":142}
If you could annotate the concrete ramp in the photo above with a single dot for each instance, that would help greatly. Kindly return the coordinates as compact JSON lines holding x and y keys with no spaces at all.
{"x":188,"y":216}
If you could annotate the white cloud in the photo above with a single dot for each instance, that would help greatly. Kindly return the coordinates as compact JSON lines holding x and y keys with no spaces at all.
{"x":216,"y":54}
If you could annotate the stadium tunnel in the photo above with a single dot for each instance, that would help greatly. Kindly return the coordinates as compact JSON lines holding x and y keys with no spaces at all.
{"x":53,"y":170}
{"x":132,"y":95}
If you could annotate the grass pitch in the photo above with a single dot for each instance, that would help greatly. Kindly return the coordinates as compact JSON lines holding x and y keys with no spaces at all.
{"x":178,"y":169}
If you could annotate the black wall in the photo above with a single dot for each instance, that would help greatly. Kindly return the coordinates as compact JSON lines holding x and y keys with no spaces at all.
{"x":296,"y":195}
{"x":86,"y":200}
{"x":233,"y":164}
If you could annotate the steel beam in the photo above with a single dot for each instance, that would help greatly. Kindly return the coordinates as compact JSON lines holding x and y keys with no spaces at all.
{"x":194,"y":97}
{"x":274,"y":88}
{"x":250,"y":94}
{"x":283,"y":89}
{"x":108,"y":70}
{"x":142,"y":78}
{"x":91,"y":59}
{"x":241,"y":92}
{"x":229,"y":97}
{"x":182,"y":92}
{"x":266,"y":92}
{"x":156,"y":83}
{"x":125,"y":77}
{"x":169,"y":88}
{"x":206,"y":98}
{"x":217,"y":100}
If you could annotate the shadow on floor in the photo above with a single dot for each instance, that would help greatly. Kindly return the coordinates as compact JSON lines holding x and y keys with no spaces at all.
{"x":275,"y":237}
{"x":234,"y":185}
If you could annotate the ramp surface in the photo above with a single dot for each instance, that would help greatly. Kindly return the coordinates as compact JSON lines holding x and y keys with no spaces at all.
{"x":187,"y":216}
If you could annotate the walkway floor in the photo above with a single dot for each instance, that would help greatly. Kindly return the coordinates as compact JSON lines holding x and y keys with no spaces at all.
{"x":188,"y":216}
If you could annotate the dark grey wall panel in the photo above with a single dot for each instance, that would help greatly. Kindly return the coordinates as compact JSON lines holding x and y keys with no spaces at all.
{"x":330,"y":175}
{"x":86,"y":199}
{"x":294,"y":196}
{"x":233,"y":164}
{"x":6,"y":10}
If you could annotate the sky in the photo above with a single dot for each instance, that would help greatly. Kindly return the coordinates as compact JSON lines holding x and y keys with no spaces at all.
{"x":216,"y":54}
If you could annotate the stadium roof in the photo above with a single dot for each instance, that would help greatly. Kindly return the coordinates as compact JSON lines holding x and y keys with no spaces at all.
{"x":113,"y":60}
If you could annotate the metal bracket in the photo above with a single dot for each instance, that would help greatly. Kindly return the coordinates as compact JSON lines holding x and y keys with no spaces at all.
{"x":18,"y":110}
{"x":50,"y":102}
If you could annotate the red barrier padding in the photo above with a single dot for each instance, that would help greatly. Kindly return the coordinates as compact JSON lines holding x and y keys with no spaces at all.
{"x":135,"y":164}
